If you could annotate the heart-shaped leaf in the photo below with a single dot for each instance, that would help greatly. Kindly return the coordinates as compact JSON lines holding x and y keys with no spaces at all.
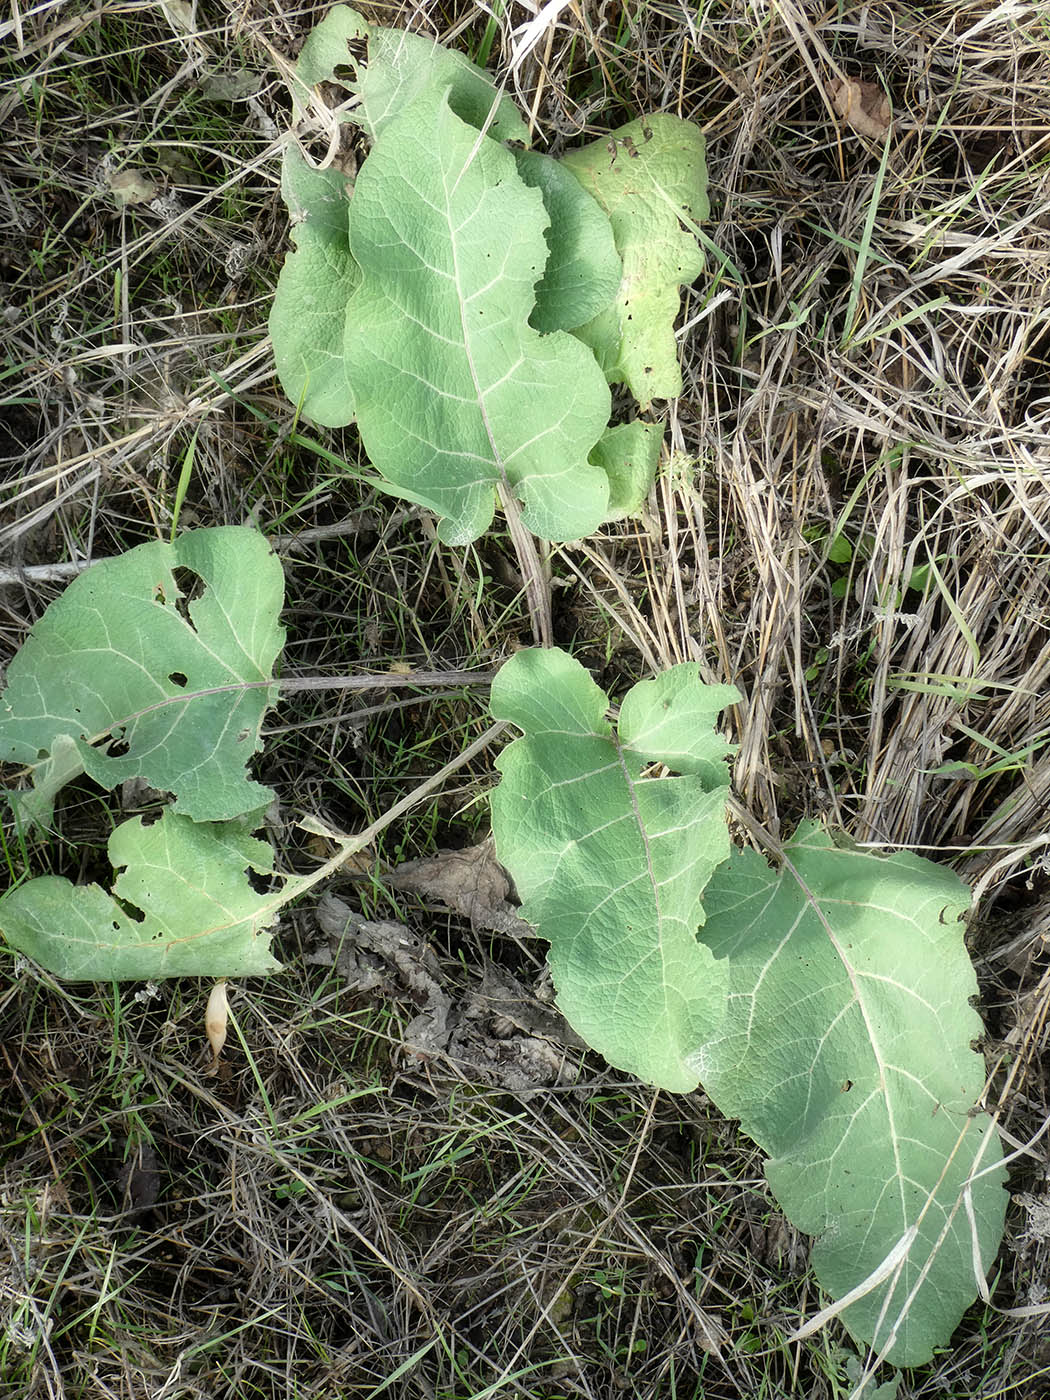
{"x":847,"y":1055}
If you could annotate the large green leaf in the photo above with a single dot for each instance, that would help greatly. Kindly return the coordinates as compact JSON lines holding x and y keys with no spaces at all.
{"x":183,"y":906}
{"x":307,"y":320}
{"x":583,"y":268}
{"x":126,"y":677}
{"x":400,"y":66}
{"x":308,"y":316}
{"x":846,"y":1054}
{"x":611,"y":863}
{"x":648,"y":176}
{"x":456,"y":393}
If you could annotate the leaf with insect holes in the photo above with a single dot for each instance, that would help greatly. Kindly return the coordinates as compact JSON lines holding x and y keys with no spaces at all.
{"x":400,"y":66}
{"x":650,"y":177}
{"x":327,"y":50}
{"x":182,"y":906}
{"x":456,"y":393}
{"x":847,"y":1055}
{"x":308,"y":316}
{"x":125,"y":676}
{"x":611,"y":861}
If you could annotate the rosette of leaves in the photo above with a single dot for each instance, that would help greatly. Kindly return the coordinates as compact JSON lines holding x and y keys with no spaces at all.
{"x":466,"y":304}
{"x":825,"y":1004}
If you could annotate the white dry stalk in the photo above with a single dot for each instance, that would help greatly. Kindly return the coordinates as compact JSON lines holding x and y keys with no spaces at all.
{"x":527,"y":36}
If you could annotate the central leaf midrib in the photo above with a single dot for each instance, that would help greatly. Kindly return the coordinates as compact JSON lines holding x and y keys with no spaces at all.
{"x":643,"y":833}
{"x":461,"y":302}
{"x":870,"y":1032}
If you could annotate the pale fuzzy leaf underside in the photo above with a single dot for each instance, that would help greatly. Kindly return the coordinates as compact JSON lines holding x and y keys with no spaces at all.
{"x":182,"y":905}
{"x":611,"y":864}
{"x":846,"y":1054}
{"x":456,"y":393}
{"x":648,"y":176}
{"x":308,"y":316}
{"x":122,"y":657}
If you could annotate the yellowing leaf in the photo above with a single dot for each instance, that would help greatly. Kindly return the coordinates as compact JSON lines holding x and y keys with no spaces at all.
{"x":649,"y":177}
{"x":131,"y":187}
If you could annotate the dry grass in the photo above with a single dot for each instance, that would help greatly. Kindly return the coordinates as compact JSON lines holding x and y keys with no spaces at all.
{"x":854,"y":528}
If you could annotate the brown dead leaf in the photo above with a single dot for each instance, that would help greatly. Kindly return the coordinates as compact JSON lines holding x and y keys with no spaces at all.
{"x":380,"y":953}
{"x":321,"y":847}
{"x":505,"y":1002}
{"x":180,"y":15}
{"x":52,"y":1194}
{"x":862,"y":105}
{"x":471,"y":882}
{"x":131,"y":187}
{"x":498,"y":1034}
{"x":1037,"y":1228}
{"x":234,"y":85}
